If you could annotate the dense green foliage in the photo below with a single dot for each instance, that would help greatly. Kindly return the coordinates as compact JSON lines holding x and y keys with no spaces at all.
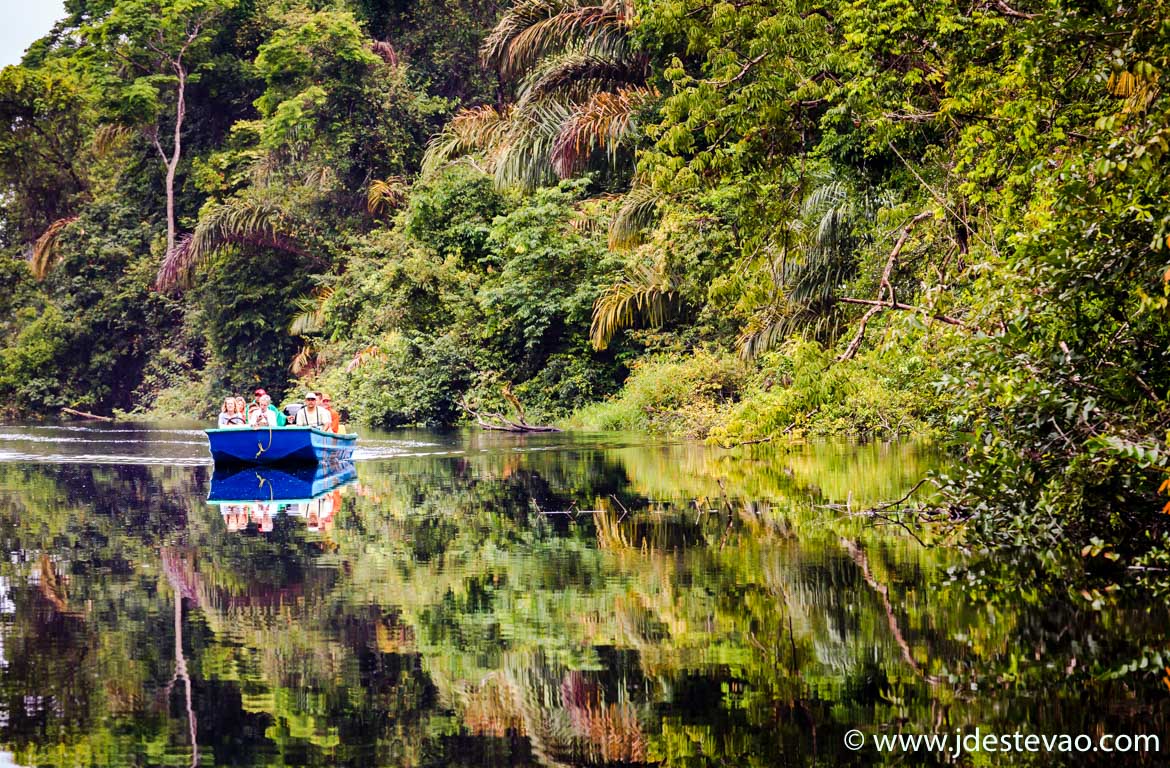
{"x":777,"y":218}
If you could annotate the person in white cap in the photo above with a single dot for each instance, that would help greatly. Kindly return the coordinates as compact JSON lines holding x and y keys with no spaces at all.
{"x":313,"y":415}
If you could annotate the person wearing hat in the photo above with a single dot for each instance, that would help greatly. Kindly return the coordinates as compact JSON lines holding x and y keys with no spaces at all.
{"x":313,"y":415}
{"x":250,"y":410}
{"x":328,"y":405}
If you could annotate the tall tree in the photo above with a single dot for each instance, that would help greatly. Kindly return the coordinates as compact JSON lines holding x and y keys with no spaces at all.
{"x":148,"y":48}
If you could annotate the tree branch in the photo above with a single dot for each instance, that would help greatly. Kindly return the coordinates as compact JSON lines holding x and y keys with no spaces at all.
{"x":886,"y":298}
{"x":906,"y":308}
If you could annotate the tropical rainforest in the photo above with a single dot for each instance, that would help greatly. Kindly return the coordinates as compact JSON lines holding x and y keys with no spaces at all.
{"x":740,"y":221}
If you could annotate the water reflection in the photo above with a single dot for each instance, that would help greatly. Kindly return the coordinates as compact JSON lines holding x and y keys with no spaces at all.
{"x":551,"y":601}
{"x":256,"y":495}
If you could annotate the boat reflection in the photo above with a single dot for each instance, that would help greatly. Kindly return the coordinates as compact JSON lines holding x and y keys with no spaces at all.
{"x":255,"y":495}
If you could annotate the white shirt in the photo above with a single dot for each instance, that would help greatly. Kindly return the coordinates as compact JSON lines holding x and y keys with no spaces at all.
{"x":320,"y":417}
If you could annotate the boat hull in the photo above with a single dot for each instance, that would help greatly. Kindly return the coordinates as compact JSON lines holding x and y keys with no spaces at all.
{"x":278,"y":445}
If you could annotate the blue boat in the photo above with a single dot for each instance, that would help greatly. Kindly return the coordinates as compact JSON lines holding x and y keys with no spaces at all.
{"x":278,"y":445}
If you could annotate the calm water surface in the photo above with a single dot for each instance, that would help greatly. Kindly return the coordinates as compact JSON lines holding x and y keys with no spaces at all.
{"x":557,"y":600}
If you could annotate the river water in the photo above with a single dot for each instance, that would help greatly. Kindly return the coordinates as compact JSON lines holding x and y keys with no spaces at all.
{"x":476,"y":599}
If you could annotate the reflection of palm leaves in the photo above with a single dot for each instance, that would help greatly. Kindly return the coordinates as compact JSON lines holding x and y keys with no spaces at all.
{"x":644,"y":293}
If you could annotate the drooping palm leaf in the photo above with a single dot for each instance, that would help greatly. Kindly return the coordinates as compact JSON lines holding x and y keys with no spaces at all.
{"x":532,"y":29}
{"x":310,"y":316}
{"x":809,"y":275}
{"x":605,"y":121}
{"x":478,"y":129}
{"x":239,"y":221}
{"x":44,"y":250}
{"x":385,"y":195}
{"x":308,"y":361}
{"x":645,"y":293}
{"x":638,"y":210}
{"x":109,"y":138}
{"x":578,"y":74}
{"x":369,"y":354}
{"x":524,"y":155}
{"x":386,"y":51}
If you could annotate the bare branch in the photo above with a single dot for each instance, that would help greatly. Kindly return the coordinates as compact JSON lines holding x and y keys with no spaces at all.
{"x":886,"y":298}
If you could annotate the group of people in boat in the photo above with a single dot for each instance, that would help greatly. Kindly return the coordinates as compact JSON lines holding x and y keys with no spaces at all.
{"x":317,"y":411}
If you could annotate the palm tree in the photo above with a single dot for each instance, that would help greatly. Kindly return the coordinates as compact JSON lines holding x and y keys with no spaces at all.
{"x":819,"y":258}
{"x":579,"y":85}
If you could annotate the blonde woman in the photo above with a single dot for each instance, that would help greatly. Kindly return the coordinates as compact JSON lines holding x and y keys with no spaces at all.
{"x":230,"y":416}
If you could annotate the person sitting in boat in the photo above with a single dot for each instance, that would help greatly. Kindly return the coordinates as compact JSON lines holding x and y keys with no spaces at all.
{"x":327,"y":404}
{"x":255,"y":403}
{"x":275,"y":417}
{"x":242,"y":409}
{"x":259,"y":418}
{"x":313,"y":415}
{"x":230,"y":415}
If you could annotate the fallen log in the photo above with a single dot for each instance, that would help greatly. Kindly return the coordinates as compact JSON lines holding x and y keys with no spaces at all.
{"x":86,"y":415}
{"x":498,"y":422}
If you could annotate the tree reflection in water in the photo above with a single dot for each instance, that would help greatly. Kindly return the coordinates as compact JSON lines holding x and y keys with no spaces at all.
{"x":586,"y":606}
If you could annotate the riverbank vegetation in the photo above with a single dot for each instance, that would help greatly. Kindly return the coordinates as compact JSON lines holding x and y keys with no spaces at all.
{"x":739,"y":222}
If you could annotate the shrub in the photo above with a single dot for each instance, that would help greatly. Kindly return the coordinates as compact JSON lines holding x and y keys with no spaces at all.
{"x":670,"y":395}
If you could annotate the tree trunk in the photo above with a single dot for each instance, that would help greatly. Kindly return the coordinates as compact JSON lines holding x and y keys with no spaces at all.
{"x":176,"y":153}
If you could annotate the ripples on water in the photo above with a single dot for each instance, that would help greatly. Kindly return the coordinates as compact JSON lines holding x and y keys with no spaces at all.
{"x":479,"y":599}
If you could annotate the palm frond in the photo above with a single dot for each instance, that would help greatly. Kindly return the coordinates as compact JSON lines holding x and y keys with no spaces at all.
{"x":238,"y":221}
{"x":763,"y":332}
{"x":810,"y":274}
{"x":524,"y":155}
{"x":577,"y":74}
{"x":386,"y":51}
{"x":310,"y":317}
{"x":307,"y":361}
{"x":44,"y":250}
{"x":638,"y":210}
{"x":531,"y":29}
{"x":775,"y":323}
{"x":366,"y":355}
{"x":597,"y":29}
{"x":645,"y":293}
{"x":385,"y":195}
{"x":605,"y":121}
{"x":478,"y":129}
{"x":109,"y":138}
